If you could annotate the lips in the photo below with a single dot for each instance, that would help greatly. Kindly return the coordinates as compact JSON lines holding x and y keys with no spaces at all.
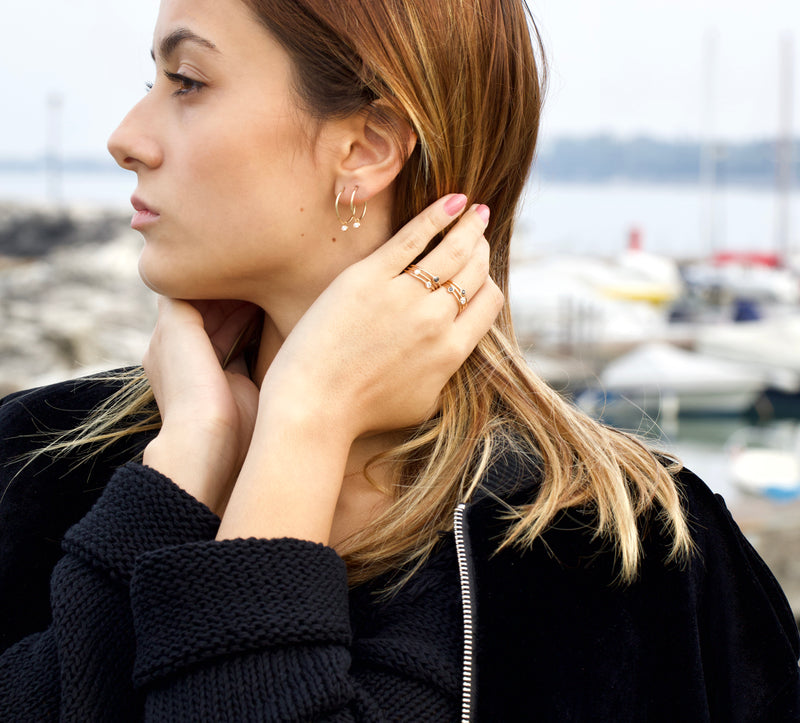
{"x":144,"y":214}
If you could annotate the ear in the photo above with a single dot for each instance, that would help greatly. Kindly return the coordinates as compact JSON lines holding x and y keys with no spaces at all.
{"x":377,"y":144}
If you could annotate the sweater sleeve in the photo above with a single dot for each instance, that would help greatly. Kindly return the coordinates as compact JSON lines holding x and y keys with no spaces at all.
{"x":154,"y":619}
{"x":80,"y":667}
{"x":260,"y":630}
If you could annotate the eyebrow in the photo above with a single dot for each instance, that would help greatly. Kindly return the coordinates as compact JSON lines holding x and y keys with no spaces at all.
{"x":182,"y":35}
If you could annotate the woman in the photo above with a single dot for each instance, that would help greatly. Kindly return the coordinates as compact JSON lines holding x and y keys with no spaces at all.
{"x":355,"y":502}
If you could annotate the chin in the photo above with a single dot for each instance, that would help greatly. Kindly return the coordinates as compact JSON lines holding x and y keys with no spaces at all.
{"x":165,"y":279}
{"x":150,"y":280}
{"x":176,"y":280}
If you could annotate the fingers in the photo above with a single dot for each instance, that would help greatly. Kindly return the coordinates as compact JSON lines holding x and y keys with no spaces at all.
{"x":229,"y":324}
{"x":458,"y":268}
{"x":463,"y":255}
{"x":410,"y":241}
{"x":224,"y":324}
{"x":480,"y":313}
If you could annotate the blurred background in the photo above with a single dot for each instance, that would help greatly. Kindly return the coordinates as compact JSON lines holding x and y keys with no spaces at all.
{"x":656,"y":265}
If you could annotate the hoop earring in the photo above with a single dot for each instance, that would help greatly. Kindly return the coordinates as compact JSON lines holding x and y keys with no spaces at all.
{"x":355,"y":217}
{"x":344,"y":224}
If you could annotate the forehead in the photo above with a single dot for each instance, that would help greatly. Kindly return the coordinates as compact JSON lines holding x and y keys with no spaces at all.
{"x":228,"y":25}
{"x":201,"y":11}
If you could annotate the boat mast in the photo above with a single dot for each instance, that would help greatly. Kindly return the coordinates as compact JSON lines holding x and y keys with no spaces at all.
{"x":709,"y":154}
{"x":785,"y":147}
{"x":53,"y":156}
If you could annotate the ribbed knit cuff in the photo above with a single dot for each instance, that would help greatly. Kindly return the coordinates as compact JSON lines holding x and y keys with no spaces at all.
{"x":201,"y":601}
{"x":140,"y":510}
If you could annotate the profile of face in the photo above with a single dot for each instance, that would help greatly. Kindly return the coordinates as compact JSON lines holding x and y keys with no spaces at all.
{"x":236,"y":181}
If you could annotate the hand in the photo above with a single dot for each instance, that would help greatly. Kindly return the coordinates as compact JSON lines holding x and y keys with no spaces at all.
{"x":372,"y":353}
{"x":376,"y":348}
{"x":208,"y":412}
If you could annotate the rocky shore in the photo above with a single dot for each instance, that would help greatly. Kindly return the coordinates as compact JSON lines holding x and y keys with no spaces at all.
{"x":71,"y":299}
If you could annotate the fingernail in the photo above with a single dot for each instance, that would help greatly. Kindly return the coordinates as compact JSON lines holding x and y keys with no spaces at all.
{"x":455,"y":203}
{"x":483,"y":212}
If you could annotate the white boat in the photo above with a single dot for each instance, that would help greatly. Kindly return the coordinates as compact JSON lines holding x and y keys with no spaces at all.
{"x":772,"y":345}
{"x":654,"y":374}
{"x":576,"y":302}
{"x":766,"y":461}
{"x":744,"y":275}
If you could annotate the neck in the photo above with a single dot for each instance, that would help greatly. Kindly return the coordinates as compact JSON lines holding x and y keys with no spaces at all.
{"x":287,"y":299}
{"x":359,"y":499}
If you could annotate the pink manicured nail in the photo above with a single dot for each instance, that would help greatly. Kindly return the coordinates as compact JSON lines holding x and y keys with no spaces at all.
{"x":455,"y":203}
{"x":483,"y":212}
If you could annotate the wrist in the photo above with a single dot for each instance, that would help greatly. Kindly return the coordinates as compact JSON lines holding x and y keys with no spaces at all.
{"x":306,"y":412}
{"x":191,"y":465}
{"x":290,"y":482}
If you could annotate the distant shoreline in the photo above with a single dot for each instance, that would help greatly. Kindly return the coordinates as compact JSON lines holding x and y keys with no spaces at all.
{"x":595,"y":159}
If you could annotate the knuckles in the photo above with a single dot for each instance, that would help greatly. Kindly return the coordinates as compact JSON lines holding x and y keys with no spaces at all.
{"x":431,"y":319}
{"x":482,"y":267}
{"x":459,"y":253}
{"x":431,"y":227}
{"x":419,"y":235}
{"x":496,"y":295}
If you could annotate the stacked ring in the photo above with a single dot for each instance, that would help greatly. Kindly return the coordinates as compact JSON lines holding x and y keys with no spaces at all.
{"x":459,"y":294}
{"x":431,"y":282}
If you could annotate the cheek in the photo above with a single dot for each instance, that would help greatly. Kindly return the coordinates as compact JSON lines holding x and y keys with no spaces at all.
{"x":254,"y":177}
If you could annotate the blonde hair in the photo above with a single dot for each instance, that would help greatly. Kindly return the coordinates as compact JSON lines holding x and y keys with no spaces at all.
{"x":464,"y":74}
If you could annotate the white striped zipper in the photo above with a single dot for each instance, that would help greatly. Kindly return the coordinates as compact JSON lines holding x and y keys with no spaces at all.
{"x":466,"y":607}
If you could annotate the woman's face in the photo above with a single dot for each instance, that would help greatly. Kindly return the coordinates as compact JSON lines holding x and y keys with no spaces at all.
{"x":237,"y":197}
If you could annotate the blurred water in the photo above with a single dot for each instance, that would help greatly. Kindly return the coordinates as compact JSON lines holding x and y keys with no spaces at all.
{"x":572,"y":218}
{"x":111,"y":188}
{"x":596,"y":219}
{"x":699,"y":443}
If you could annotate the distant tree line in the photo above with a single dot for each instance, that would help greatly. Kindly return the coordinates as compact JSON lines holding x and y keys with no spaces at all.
{"x":605,"y":158}
{"x":590,"y":159}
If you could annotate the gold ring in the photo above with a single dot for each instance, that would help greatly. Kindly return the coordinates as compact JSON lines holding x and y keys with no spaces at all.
{"x":431,"y":282}
{"x":459,"y":294}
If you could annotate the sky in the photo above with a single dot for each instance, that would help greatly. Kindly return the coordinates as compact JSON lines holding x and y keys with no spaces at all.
{"x":623,"y":67}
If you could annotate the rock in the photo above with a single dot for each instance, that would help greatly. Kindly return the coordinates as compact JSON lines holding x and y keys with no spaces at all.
{"x":77,"y":309}
{"x":30,"y":232}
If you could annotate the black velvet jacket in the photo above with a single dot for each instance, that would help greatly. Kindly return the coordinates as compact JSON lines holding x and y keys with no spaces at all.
{"x":555,"y":638}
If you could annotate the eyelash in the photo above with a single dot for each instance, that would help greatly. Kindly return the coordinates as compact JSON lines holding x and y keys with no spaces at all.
{"x":193,"y":85}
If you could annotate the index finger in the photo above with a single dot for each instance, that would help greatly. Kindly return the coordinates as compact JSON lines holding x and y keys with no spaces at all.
{"x":411,"y":240}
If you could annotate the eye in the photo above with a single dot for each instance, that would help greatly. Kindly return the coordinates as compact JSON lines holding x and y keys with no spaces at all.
{"x":185,"y":85}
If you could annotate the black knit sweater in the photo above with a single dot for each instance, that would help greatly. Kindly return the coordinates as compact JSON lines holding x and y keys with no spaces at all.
{"x":150,"y":614}
{"x":154,"y":619}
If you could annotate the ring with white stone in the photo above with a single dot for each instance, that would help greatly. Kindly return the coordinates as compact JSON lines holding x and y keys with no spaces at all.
{"x":459,"y":294}
{"x":431,"y":282}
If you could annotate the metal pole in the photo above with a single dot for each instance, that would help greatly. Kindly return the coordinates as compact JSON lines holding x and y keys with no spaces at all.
{"x":53,"y":160}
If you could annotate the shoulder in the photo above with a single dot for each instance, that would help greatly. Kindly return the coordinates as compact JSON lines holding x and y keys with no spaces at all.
{"x":29,"y":420}
{"x":56,"y":407}
{"x":42,"y":496}
{"x":718,"y":626}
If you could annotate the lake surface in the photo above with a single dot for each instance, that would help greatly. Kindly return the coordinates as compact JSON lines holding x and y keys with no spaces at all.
{"x":673,"y":219}
{"x":564,"y":217}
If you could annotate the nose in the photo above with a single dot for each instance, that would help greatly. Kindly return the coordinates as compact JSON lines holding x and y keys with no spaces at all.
{"x":133,"y":144}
